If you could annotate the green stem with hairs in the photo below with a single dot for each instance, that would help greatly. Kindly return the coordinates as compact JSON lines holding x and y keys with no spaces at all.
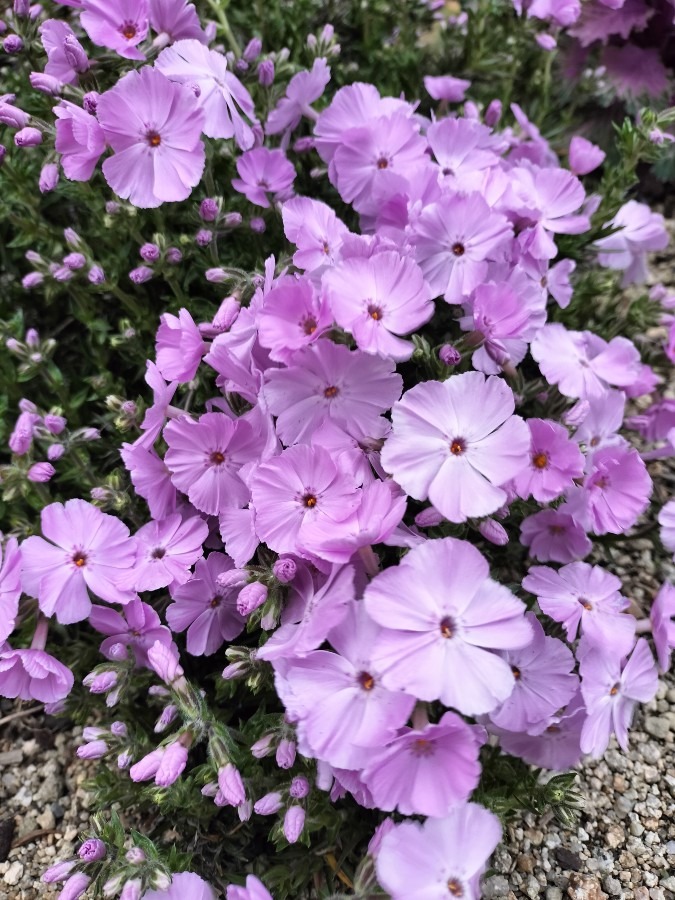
{"x":219,"y":13}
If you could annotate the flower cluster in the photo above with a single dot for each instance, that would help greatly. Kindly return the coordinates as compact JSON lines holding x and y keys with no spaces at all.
{"x":330,"y":459}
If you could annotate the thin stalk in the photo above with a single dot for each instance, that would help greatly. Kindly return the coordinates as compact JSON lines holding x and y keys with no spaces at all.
{"x":219,"y":13}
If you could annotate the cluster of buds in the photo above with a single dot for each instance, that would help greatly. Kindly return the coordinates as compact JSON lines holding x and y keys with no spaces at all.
{"x":79,"y":259}
{"x":156,"y":258}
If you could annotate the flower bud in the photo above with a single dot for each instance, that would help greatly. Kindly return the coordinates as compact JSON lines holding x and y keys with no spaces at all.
{"x":285,"y":755}
{"x":58,"y":871}
{"x":54,"y":424}
{"x":92,"y":750}
{"x":494,"y":532}
{"x":164,"y":662}
{"x":21,"y":7}
{"x":75,"y":261}
{"x":75,"y":53}
{"x":90,"y":104}
{"x":141,"y":274}
{"x":294,"y":822}
{"x":173,"y":255}
{"x":135,"y":856}
{"x":492,"y":116}
{"x":40,"y":472}
{"x":96,"y":275}
{"x":227,"y":314}
{"x":33,"y":279}
{"x":112,"y":885}
{"x":100,"y":682}
{"x":269,"y":804}
{"x":577,"y":414}
{"x":428,"y":518}
{"x":76,"y":885}
{"x":299,"y":787}
{"x":55,"y":451}
{"x":92,"y":733}
{"x":266,"y":72}
{"x":28,"y":137}
{"x":13,"y":116}
{"x":150,"y":252}
{"x":376,"y":840}
{"x":132,"y":890}
{"x":257,"y":225}
{"x":251,"y":597}
{"x":172,"y":765}
{"x":124,"y":760}
{"x":160,"y":881}
{"x":244,"y":810}
{"x":119,"y":729}
{"x":232,"y":220}
{"x":92,"y":850}
{"x":285,"y":569}
{"x":303,"y":145}
{"x":230,"y":784}
{"x":204,"y":237}
{"x":216,"y":275}
{"x":208,"y":209}
{"x":12,"y":44}
{"x":146,"y":768}
{"x":252,"y":50}
{"x":263,"y":746}
{"x":46,"y":84}
{"x":449,"y":356}
{"x":168,"y":715}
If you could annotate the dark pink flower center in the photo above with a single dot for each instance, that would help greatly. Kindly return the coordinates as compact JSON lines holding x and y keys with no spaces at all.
{"x":614,"y":690}
{"x":331,"y":392}
{"x":457,"y":446}
{"x":153,"y":138}
{"x":366,"y":680}
{"x":516,"y":672}
{"x":215,"y":603}
{"x":585,"y":603}
{"x":158,"y":553}
{"x":217,"y":458}
{"x":422,"y":747}
{"x":540,"y":460}
{"x":79,"y":559}
{"x":447,"y":627}
{"x":128,"y":30}
{"x":455,"y":887}
{"x":374,"y":311}
{"x":309,"y":325}
{"x":309,"y":501}
{"x":458,"y":249}
{"x":383,"y":163}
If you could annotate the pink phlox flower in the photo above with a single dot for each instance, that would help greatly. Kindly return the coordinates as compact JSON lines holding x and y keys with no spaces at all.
{"x":558,"y":284}
{"x":205,"y":457}
{"x":303,"y":89}
{"x":339,"y":699}
{"x":401,"y":210}
{"x":439,"y":858}
{"x":227,"y":105}
{"x":428,"y":771}
{"x":151,"y":479}
{"x":611,"y":691}
{"x":638,"y":231}
{"x":297,"y":490}
{"x":655,"y":422}
{"x":315,"y":230}
{"x":460,"y":615}
{"x":553,"y":535}
{"x":377,"y":299}
{"x":533,"y":148}
{"x":154,"y":127}
{"x":603,"y":421}
{"x":237,"y":529}
{"x":352,"y":106}
{"x":666,"y":520}
{"x":262,"y":172}
{"x":557,"y":747}
{"x":330,"y":382}
{"x":313,"y":614}
{"x":446,"y":87}
{"x":546,"y":200}
{"x":662,"y":615}
{"x":254,"y":890}
{"x":358,"y":455}
{"x":453,"y":240}
{"x":79,"y":139}
{"x":85,"y":549}
{"x":293,"y":315}
{"x":155,"y":415}
{"x":10,"y":586}
{"x":584,"y":156}
{"x":207,"y":608}
{"x":545,"y":682}
{"x":507,"y":314}
{"x":62,"y":63}
{"x":138,"y":627}
{"x":165,"y":550}
{"x":188,"y":885}
{"x":461,"y":147}
{"x":599,"y":21}
{"x":381,"y":508}
{"x":583,"y":365}
{"x":456,"y":443}
{"x":555,"y":461}
{"x":175,"y":20}
{"x":562,"y":12}
{"x":179,"y":347}
{"x":119,"y":25}
{"x":21,"y":439}
{"x":33,"y":675}
{"x":373,"y":162}
{"x":584,"y":599}
{"x":615,"y":491}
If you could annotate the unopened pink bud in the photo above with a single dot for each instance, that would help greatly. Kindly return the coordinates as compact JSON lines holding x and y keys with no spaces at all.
{"x":231,"y":785}
{"x":251,"y":597}
{"x":92,"y":750}
{"x":76,"y":885}
{"x":28,"y":137}
{"x":299,"y":787}
{"x":40,"y":472}
{"x":146,"y":767}
{"x":92,"y":850}
{"x":285,"y":569}
{"x":294,"y":822}
{"x":269,"y":804}
{"x":263,"y":746}
{"x":285,"y":755}
{"x":58,"y":872}
{"x":172,"y":765}
{"x":494,"y":532}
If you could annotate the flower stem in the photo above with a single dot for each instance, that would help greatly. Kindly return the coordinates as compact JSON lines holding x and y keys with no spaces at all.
{"x":225,"y":26}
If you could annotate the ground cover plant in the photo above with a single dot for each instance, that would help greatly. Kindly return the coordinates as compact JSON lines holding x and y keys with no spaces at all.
{"x":330,"y":389}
